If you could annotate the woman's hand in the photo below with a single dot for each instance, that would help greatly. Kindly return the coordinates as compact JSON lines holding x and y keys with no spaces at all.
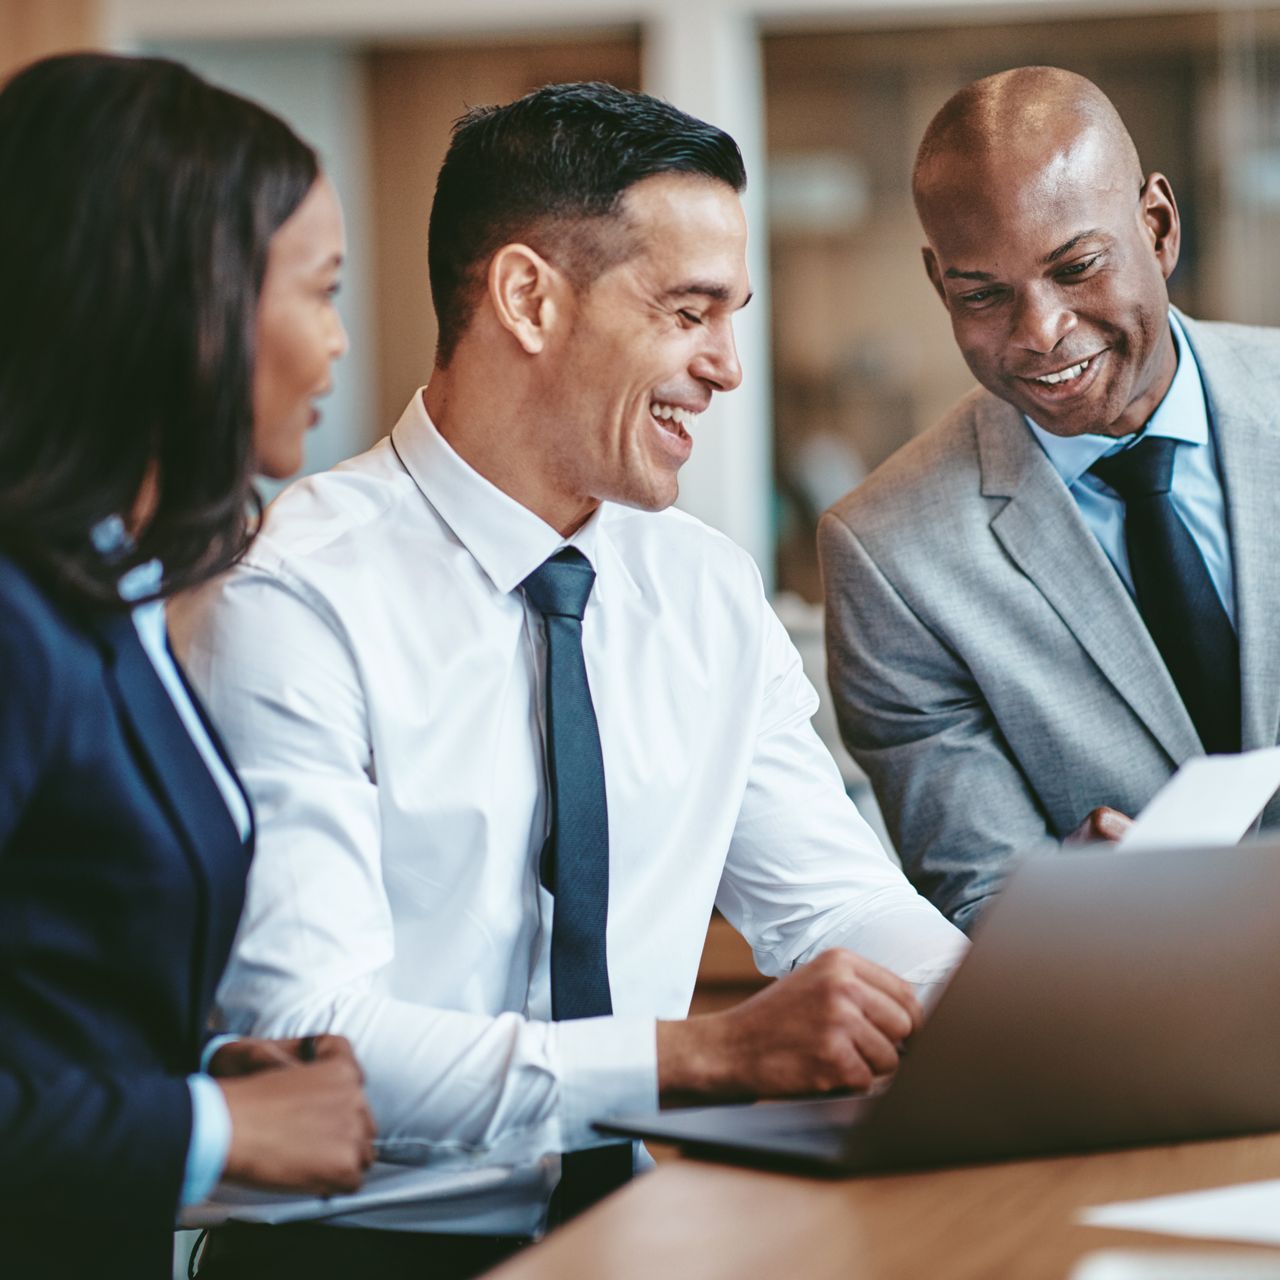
{"x":249,"y":1055}
{"x":296,"y":1124}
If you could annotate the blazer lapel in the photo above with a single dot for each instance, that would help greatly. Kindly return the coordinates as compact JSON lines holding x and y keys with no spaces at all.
{"x":184,"y":787}
{"x":1044,"y":534}
{"x":1248,"y":440}
{"x":250,"y":841}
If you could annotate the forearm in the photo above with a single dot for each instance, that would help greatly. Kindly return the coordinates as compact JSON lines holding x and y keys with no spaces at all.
{"x":693,"y":1060}
{"x":805,"y":873}
{"x":442,"y":1081}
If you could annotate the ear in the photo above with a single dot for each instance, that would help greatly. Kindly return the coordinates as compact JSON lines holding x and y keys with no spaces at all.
{"x":935,"y":275}
{"x":523,"y":290}
{"x":1159,"y":213}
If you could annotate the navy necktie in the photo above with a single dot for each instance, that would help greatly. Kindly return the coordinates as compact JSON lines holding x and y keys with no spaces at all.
{"x":1175,"y":592}
{"x":575,"y":860}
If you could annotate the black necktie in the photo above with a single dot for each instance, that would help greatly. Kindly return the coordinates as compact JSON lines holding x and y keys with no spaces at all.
{"x":1175,"y":593}
{"x":575,"y":861}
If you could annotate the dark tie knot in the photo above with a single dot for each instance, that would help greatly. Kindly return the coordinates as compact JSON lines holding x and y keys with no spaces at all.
{"x":1141,"y":471}
{"x":562,"y":585}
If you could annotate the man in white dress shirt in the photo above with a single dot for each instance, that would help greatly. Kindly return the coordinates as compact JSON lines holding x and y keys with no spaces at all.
{"x":381,"y":678}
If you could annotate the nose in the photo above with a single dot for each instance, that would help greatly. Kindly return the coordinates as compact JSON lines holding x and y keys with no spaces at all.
{"x":339,"y":343}
{"x":1041,"y":320}
{"x":717,"y":363}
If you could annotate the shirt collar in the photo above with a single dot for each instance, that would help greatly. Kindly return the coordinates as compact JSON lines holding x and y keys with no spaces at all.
{"x":507,"y":540}
{"x":1181,"y":415}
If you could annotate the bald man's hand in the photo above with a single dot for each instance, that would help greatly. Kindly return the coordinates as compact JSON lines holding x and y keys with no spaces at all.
{"x":835,"y":1023}
{"x":1100,"y":825}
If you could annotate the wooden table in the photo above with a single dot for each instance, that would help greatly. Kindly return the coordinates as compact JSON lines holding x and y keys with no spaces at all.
{"x":693,"y":1221}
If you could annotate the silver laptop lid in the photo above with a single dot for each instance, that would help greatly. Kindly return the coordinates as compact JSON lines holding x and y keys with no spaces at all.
{"x":1110,"y":999}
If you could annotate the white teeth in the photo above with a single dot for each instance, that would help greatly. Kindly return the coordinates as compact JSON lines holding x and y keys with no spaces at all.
{"x":673,"y":413}
{"x":1065,"y":375}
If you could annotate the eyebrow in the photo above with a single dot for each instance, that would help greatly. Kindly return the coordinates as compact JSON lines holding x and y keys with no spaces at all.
{"x":707,"y":289}
{"x":1071,"y":244}
{"x":952,"y":274}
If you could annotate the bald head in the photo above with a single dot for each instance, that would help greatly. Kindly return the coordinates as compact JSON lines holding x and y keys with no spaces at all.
{"x":1009,"y":127}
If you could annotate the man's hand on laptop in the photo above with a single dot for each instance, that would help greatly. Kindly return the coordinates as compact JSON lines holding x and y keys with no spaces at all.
{"x":835,"y":1023}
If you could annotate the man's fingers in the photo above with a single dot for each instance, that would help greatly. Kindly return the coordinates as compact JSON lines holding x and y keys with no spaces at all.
{"x":1110,"y":824}
{"x":1102,"y":823}
{"x":896,"y":989}
{"x":249,"y":1056}
{"x":888,"y":1000}
{"x":329,"y":1048}
{"x":875,"y":1047}
{"x":270,"y":1053}
{"x":882,"y":1011}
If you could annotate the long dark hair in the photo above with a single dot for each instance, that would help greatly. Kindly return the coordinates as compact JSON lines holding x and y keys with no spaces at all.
{"x":137,"y":203}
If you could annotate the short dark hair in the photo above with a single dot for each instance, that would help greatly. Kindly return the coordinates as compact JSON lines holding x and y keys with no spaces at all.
{"x":550,"y":169}
{"x":139,"y":202}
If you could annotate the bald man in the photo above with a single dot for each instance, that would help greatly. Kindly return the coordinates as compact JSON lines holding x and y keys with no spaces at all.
{"x":1044,"y":605}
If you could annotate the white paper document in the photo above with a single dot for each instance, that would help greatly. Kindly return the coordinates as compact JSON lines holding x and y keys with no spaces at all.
{"x":384,"y":1184}
{"x":1211,"y":800}
{"x":1248,"y":1212}
{"x":1202,"y":1263}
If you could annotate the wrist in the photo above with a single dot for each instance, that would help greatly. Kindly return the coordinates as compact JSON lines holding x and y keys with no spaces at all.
{"x":213,"y":1046}
{"x":692,"y":1059}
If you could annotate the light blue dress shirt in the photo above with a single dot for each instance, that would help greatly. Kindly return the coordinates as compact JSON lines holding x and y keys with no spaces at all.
{"x":1197,"y":492}
{"x":210,"y":1119}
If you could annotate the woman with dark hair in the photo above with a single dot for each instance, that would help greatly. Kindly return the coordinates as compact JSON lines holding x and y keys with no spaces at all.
{"x":169,"y":254}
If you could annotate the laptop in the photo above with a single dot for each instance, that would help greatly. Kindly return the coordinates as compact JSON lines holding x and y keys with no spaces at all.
{"x":1110,"y":999}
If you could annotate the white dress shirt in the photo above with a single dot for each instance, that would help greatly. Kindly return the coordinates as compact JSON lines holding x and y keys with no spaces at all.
{"x":1197,"y":493}
{"x":378,"y":676}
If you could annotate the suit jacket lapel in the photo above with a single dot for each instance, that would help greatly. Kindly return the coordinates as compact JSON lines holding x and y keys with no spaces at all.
{"x":1248,"y":441}
{"x":1043,"y":532}
{"x":185,"y":788}
{"x":220,"y":747}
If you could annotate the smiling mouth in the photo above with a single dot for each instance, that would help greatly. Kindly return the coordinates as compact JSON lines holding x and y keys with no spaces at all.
{"x":1064,"y":377}
{"x":673,"y":418}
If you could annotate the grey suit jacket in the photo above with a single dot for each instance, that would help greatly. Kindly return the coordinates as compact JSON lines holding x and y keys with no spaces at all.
{"x":991,"y":672}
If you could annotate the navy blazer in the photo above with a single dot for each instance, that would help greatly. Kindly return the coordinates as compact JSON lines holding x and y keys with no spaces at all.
{"x":121,"y":883}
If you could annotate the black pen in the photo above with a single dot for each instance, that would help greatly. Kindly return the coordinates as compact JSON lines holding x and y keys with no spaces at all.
{"x":307,"y":1049}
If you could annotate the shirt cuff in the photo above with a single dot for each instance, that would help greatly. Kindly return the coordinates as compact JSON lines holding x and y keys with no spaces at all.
{"x":210,"y":1140}
{"x":212,"y":1046}
{"x":908,"y":938}
{"x":609,"y":1067}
